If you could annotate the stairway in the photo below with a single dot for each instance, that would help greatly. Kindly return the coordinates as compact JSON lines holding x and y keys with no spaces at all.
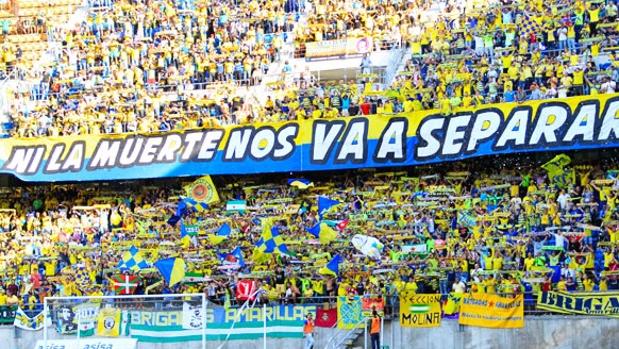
{"x":351,"y":342}
{"x":348,"y":339}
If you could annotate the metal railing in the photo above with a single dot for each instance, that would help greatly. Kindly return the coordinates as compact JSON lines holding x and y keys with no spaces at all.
{"x":341,"y":336}
{"x":578,"y":47}
{"x":392,"y":302}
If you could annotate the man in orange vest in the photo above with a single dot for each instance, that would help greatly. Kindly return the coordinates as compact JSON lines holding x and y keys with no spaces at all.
{"x":375,"y":330}
{"x":308,"y":331}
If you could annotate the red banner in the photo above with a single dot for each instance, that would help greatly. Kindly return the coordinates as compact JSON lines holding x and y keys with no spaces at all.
{"x":326,"y":317}
{"x":372,"y":303}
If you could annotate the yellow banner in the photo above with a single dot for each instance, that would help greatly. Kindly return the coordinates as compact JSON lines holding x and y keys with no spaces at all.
{"x":108,"y":322}
{"x":603,"y":304}
{"x":340,"y":47}
{"x":420,"y":310}
{"x":486,"y":310}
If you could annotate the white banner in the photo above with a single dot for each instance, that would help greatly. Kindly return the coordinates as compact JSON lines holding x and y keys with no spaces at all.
{"x":418,"y":248}
{"x":192,"y":316}
{"x":25,"y":322}
{"x":87,"y":343}
{"x":368,"y":245}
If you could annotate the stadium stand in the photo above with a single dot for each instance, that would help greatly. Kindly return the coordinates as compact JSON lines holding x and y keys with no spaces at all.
{"x":25,"y":29}
{"x":521,"y":234}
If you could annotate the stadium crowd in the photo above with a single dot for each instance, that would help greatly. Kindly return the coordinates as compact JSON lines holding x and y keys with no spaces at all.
{"x":133,"y":66}
{"x":141,"y":50}
{"x":516,"y":228}
{"x":516,"y":52}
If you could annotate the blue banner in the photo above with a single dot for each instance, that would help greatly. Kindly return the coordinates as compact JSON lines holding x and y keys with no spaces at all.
{"x":418,"y":138}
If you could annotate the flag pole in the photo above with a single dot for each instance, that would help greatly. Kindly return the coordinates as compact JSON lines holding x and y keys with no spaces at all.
{"x":365,"y":334}
{"x":45,"y":311}
{"x":79,"y":324}
{"x":382,"y":328}
{"x":203,"y":320}
{"x":264,"y":326}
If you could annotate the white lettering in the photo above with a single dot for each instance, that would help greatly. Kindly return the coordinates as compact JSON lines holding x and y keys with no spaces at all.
{"x":583,"y":124}
{"x":191,"y":140}
{"x":20,"y":159}
{"x":209,"y":145}
{"x":610,"y":124}
{"x":425,"y":134}
{"x":171,"y":145}
{"x":130,"y":151}
{"x":106,"y":154}
{"x":394,"y":132}
{"x":546,"y":126}
{"x":237,"y":144}
{"x":53,"y":163}
{"x":454,"y":135}
{"x":516,"y":129}
{"x":484,"y":127}
{"x":262,"y":143}
{"x":150,"y":150}
{"x":75,"y":158}
{"x":282,"y":138}
{"x":354,"y":142}
{"x":323,"y":143}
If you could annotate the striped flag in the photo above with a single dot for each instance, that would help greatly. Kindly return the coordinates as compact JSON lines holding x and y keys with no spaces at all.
{"x":419,"y":308}
{"x":217,"y":331}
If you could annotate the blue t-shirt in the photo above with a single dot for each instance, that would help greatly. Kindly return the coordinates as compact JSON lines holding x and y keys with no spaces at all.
{"x":509,"y":96}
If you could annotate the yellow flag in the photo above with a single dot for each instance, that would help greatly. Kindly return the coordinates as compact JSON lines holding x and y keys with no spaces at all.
{"x":216,"y":239}
{"x":202,"y":190}
{"x":108,"y":322}
{"x":556,"y":170}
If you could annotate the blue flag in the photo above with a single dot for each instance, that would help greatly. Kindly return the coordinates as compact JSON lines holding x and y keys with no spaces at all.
{"x":196,"y":205}
{"x":324,"y":204}
{"x":271,"y":241}
{"x":181,"y":210}
{"x":234,"y":257}
{"x":323,"y":232}
{"x":333,"y":267}
{"x":224,"y":230}
{"x":172,"y":269}
{"x":133,"y":260}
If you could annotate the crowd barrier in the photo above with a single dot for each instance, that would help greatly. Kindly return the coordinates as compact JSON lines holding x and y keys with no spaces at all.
{"x":191,"y":319}
{"x":534,"y":304}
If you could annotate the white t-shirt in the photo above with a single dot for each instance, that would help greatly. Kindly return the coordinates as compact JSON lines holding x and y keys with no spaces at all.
{"x":608,"y":87}
{"x":562,"y":200}
{"x":562,"y":34}
{"x":459,"y":287}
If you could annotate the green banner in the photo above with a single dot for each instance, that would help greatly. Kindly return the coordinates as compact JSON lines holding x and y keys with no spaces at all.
{"x":7,"y":314}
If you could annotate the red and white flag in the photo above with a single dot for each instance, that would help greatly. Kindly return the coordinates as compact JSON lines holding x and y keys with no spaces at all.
{"x":326,"y":317}
{"x":245,"y":290}
{"x":125,"y":284}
